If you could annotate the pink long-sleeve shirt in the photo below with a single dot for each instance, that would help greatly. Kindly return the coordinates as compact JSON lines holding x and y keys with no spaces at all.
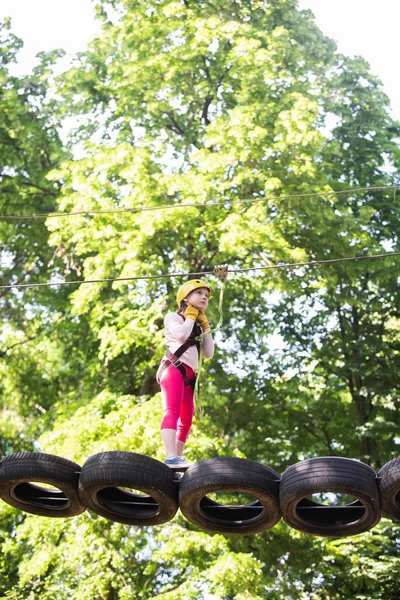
{"x":177,"y":331}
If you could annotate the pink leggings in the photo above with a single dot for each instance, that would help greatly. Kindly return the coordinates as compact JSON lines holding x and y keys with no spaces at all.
{"x":177,"y":400}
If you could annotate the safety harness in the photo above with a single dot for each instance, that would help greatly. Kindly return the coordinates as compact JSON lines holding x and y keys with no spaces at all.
{"x":174,"y":359}
{"x":195,"y":339}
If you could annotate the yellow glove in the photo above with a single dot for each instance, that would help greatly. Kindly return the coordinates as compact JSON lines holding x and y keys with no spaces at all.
{"x":202,"y":321}
{"x":191,"y":313}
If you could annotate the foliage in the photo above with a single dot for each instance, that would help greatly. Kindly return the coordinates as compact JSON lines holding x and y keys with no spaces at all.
{"x":179,"y":104}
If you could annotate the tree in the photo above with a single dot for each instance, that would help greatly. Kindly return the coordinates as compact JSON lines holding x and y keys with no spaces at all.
{"x":37,"y":334}
{"x":229,"y":102}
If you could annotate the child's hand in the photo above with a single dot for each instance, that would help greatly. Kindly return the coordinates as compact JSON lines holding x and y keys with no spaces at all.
{"x":202,"y":320}
{"x":191,"y":313}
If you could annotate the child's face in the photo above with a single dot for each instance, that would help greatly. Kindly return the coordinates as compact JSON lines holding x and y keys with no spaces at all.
{"x":198,"y":298}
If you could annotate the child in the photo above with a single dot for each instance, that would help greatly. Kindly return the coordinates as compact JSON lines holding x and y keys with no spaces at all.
{"x":177,"y":372}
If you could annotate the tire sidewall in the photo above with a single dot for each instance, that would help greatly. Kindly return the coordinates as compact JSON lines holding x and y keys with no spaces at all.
{"x":156,"y":481}
{"x":201,"y":480}
{"x":190,"y":508}
{"x":26,"y":467}
{"x":291,"y":494}
{"x":389,"y":487}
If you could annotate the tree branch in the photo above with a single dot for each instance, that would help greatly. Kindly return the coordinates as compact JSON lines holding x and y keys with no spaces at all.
{"x":4,"y":352}
{"x":342,"y":331}
{"x":38,"y":187}
{"x":175,"y":127}
{"x":204,"y":114}
{"x":207,"y":70}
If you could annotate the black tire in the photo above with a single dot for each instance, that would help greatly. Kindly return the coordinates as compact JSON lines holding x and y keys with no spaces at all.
{"x":330,"y":474}
{"x":230,"y":475}
{"x":17,"y":471}
{"x":389,"y":488}
{"x":103,"y":475}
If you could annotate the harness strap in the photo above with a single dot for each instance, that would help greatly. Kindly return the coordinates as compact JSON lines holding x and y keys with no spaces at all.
{"x":174,"y":359}
{"x":178,"y":365}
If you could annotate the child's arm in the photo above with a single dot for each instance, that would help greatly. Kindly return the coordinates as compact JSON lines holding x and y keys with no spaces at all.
{"x":180,"y":331}
{"x":207,"y":342}
{"x":207,"y":346}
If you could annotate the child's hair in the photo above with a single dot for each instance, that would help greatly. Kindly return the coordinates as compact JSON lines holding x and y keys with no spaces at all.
{"x":182,"y":307}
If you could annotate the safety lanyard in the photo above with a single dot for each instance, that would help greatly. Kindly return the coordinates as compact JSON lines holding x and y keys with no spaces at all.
{"x":221,"y":271}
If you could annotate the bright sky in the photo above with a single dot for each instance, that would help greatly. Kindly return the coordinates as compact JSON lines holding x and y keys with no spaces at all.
{"x":366,"y":27}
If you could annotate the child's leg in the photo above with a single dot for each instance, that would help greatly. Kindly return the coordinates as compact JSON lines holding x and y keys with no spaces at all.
{"x":168,"y":437}
{"x":180,"y":447}
{"x":185,"y":419}
{"x":172,"y":390}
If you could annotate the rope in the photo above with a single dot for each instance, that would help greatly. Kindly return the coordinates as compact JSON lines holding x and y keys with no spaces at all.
{"x":196,"y":205}
{"x":199,"y":409}
{"x":312,"y":263}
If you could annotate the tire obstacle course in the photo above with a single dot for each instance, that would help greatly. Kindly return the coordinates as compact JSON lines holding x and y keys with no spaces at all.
{"x":104,"y":483}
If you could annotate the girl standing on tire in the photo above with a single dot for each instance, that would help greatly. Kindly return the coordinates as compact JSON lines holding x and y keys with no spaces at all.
{"x":177,"y":372}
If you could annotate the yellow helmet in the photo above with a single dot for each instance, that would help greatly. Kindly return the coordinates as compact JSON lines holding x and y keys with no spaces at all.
{"x":188,"y":287}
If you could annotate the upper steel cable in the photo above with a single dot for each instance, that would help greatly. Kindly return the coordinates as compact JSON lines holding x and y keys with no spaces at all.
{"x":195,"y":205}
{"x":313,"y":263}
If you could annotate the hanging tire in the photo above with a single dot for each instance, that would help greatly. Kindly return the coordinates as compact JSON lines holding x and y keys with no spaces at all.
{"x":228,"y":475}
{"x":336,"y":475}
{"x":389,"y":487}
{"x":104,"y":475}
{"x":19,"y":471}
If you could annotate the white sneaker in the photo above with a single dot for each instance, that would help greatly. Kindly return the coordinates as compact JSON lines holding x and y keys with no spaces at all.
{"x":183,"y":462}
{"x":177,"y":462}
{"x":172,"y":461}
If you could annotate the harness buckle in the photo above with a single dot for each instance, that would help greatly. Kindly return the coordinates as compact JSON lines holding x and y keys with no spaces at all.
{"x":177,"y":363}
